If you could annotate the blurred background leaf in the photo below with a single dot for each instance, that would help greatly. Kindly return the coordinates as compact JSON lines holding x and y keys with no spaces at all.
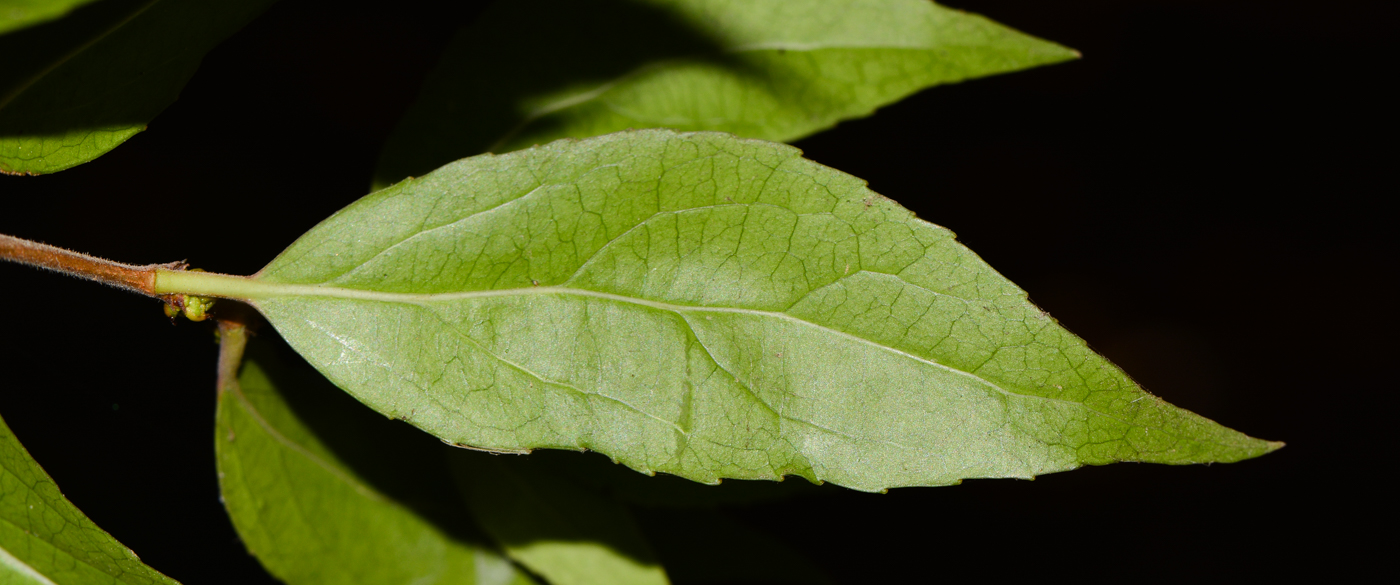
{"x":529,"y":72}
{"x":74,"y":88}
{"x":17,"y":14}
{"x":563,"y":531}
{"x":46,"y":540}
{"x":322,"y":490}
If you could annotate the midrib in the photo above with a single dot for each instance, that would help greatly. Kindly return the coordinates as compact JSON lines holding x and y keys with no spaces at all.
{"x":248,"y":289}
{"x":243,"y":288}
{"x":21,"y":569}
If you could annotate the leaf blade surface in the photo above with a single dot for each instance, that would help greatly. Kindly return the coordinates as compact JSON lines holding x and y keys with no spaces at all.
{"x":79,"y":86}
{"x":709,"y":307}
{"x":45,"y":539}
{"x":531,"y":72}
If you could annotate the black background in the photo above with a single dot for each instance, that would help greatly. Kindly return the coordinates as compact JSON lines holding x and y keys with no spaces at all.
{"x":1197,"y":198}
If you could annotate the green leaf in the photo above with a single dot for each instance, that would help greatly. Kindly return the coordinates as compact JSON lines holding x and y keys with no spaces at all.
{"x":704,"y":306}
{"x":74,"y":88}
{"x":17,"y":14}
{"x":561,"y":530}
{"x":322,"y":490}
{"x":44,"y":539}
{"x":531,"y":72}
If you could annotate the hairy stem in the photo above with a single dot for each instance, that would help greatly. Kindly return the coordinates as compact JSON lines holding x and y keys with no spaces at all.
{"x":139,"y":279}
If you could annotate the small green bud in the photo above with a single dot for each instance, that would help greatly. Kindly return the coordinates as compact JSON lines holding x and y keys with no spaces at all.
{"x":197,"y":308}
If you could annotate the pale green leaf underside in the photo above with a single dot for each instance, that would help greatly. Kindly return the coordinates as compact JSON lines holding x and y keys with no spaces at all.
{"x":567,"y":533}
{"x":17,"y":14}
{"x":710,"y":307}
{"x":44,"y":539}
{"x":531,"y":72}
{"x":77,"y":87}
{"x":310,"y":519}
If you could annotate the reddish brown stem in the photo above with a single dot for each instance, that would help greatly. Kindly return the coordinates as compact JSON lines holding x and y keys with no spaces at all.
{"x":140,"y":279}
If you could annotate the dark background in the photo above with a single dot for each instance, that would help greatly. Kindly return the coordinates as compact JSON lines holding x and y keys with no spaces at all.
{"x":1197,"y":198}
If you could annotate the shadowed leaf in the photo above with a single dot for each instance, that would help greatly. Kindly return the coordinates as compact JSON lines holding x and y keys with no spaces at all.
{"x":707,"y":546}
{"x":530,"y":72}
{"x":75,"y":88}
{"x":560,"y":529}
{"x":322,"y":490}
{"x":45,"y":540}
{"x":17,"y":14}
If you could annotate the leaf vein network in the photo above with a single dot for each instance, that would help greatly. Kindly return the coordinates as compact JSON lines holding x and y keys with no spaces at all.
{"x":456,"y":330}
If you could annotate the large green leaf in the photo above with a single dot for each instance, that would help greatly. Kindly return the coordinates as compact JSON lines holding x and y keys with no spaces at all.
{"x":530,"y":72}
{"x":17,"y":14}
{"x":45,"y":540}
{"x":560,"y":529}
{"x":322,"y":490}
{"x":705,"y":306}
{"x":74,"y":88}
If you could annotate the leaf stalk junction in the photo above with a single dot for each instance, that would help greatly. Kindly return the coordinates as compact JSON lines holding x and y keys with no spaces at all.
{"x":131,"y":277}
